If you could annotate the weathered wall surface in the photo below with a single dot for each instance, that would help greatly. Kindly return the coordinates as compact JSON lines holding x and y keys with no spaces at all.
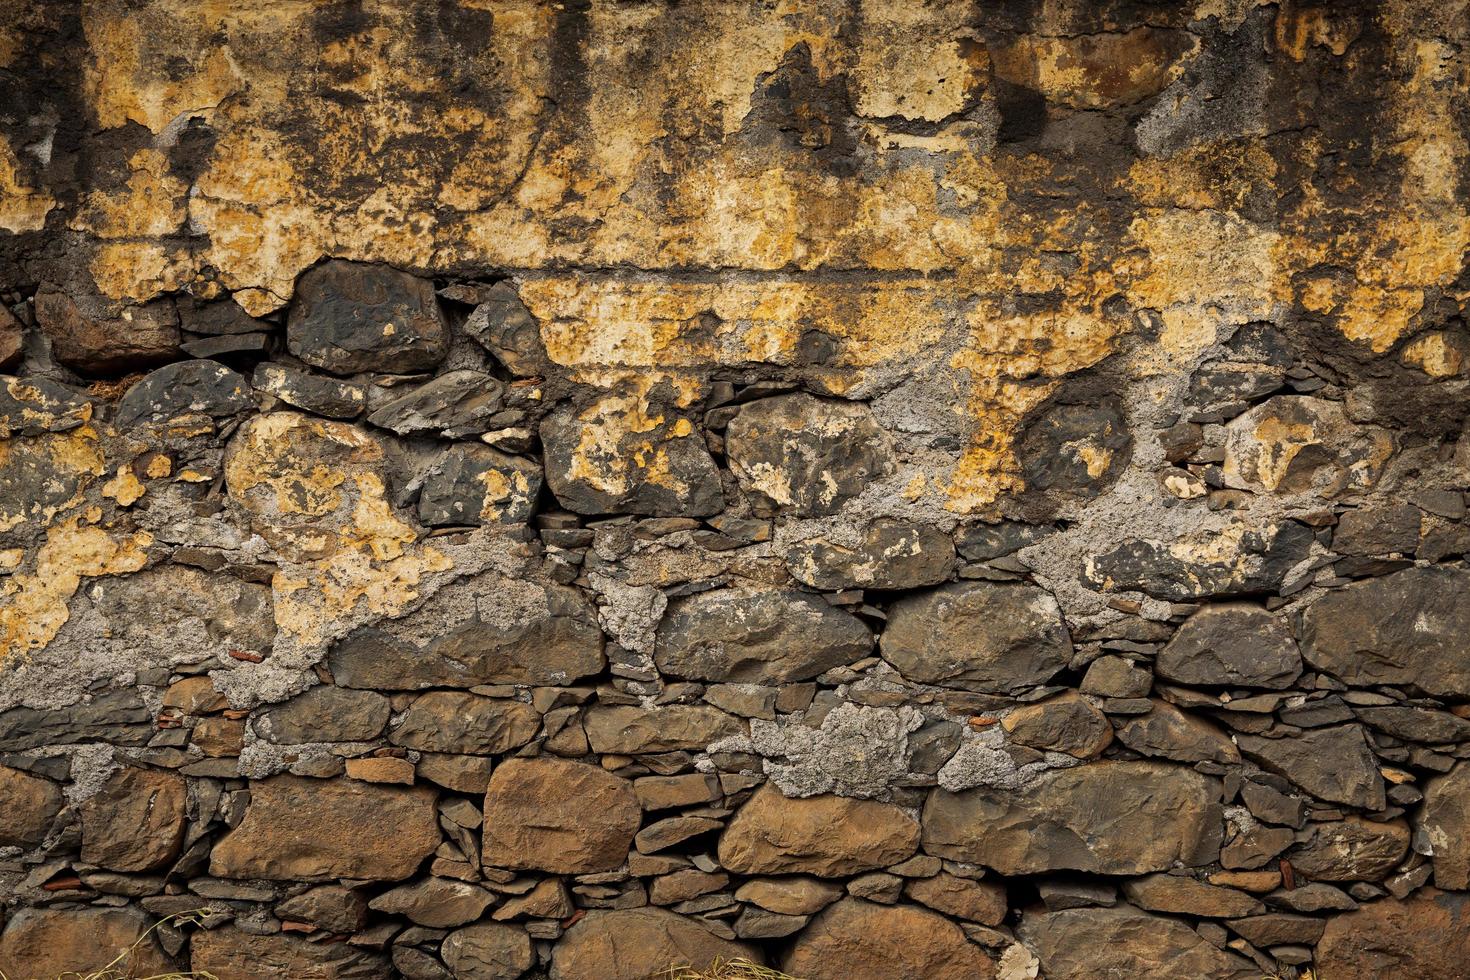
{"x":493,"y":488}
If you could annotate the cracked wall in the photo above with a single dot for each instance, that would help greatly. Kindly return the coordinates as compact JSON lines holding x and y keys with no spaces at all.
{"x":887,"y":488}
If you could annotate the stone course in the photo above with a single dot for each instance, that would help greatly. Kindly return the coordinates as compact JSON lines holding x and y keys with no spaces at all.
{"x":524,"y":491}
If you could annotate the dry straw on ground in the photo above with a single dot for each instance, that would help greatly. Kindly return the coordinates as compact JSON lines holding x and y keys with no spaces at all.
{"x":736,"y":969}
{"x":118,"y":967}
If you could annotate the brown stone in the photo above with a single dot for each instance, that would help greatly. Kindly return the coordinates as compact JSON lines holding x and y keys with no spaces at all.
{"x":631,"y":729}
{"x":1446,"y":823}
{"x":218,"y":737}
{"x":194,"y":696}
{"x":136,"y":821}
{"x":1333,"y":764}
{"x":330,"y":907}
{"x":1180,"y":895}
{"x":791,"y":895}
{"x":462,"y":723}
{"x":12,"y":339}
{"x":558,"y":816}
{"x":964,"y":898}
{"x":1352,"y":849}
{"x":439,"y":903}
{"x":977,"y":636}
{"x":28,"y":804}
{"x":88,"y":338}
{"x":1168,"y":733}
{"x":49,"y":942}
{"x":324,"y":714}
{"x":329,"y":828}
{"x":1067,"y":723}
{"x":1276,"y":928}
{"x":228,"y":952}
{"x":1087,"y":943}
{"x":461,"y":773}
{"x":1426,"y":935}
{"x":830,"y":836}
{"x":381,"y":769}
{"x":854,"y":938}
{"x":634,"y":944}
{"x":548,"y":900}
{"x":488,"y":951}
{"x":1108,"y":817}
{"x":664,"y":792}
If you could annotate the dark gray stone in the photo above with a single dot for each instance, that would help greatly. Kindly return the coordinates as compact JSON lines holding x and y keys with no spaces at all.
{"x":1258,"y":560}
{"x":805,"y":456}
{"x":1231,"y":645}
{"x":195,"y":387}
{"x":1333,"y":764}
{"x":1382,"y":530}
{"x":504,"y":327}
{"x":995,"y":638}
{"x":491,"y":630}
{"x":1076,"y":451}
{"x":352,"y":316}
{"x":771,"y":636}
{"x":219,"y":318}
{"x":324,"y":714}
{"x":454,"y":405}
{"x":889,"y":554}
{"x":1411,"y":627}
{"x":31,"y":406}
{"x":1168,"y":733}
{"x":119,"y":718}
{"x":311,"y":392}
{"x":471,"y":484}
{"x":1352,"y":849}
{"x":982,"y":542}
{"x":599,"y":461}
{"x":1416,"y":724}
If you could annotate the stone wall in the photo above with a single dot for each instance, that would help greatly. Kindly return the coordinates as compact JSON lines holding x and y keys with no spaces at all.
{"x":499,"y":489}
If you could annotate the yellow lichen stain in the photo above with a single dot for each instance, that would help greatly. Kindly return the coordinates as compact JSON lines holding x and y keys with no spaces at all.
{"x":500,"y":488}
{"x":1099,"y":70}
{"x":22,"y":207}
{"x":1277,"y":443}
{"x":151,"y":203}
{"x":40,"y":409}
{"x":1436,"y":354}
{"x":72,"y":459}
{"x":33,"y":606}
{"x":124,"y":487}
{"x":311,"y":599}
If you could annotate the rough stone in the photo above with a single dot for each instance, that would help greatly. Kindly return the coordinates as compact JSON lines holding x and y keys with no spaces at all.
{"x":1165,"y":732}
{"x":475,"y":485}
{"x":1292,"y":444}
{"x":828,"y":836}
{"x":439,"y":903}
{"x":1351,"y":849}
{"x":1425,"y":935}
{"x":88,"y":338}
{"x":1231,"y":645}
{"x":629,"y":729}
{"x":50,"y":942}
{"x":293,"y":829}
{"x":632,"y":944}
{"x":1237,"y":560}
{"x":118,"y":717}
{"x":1104,"y":817}
{"x":1333,"y":764}
{"x":805,"y":456}
{"x":493,"y":630}
{"x":329,"y":907}
{"x":1391,"y":529}
{"x":324,"y":714}
{"x":857,"y":938}
{"x":311,"y":392}
{"x":467,"y":724}
{"x":1411,"y":627}
{"x":757,"y":637}
{"x":12,"y":339}
{"x":1179,"y":895}
{"x":1066,"y":723}
{"x":185,"y":388}
{"x":488,"y":951}
{"x":455,"y":405}
{"x":886,"y":554}
{"x":963,"y":898}
{"x":789,"y":895}
{"x":1416,"y":724}
{"x":1076,"y":944}
{"x":232,"y":952}
{"x":1076,"y":451}
{"x":30,"y":805}
{"x":353,"y":316}
{"x":503,"y":326}
{"x":1445,"y":822}
{"x":977,"y":636}
{"x":135,"y":822}
{"x":558,"y":816}
{"x":592,"y":461}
